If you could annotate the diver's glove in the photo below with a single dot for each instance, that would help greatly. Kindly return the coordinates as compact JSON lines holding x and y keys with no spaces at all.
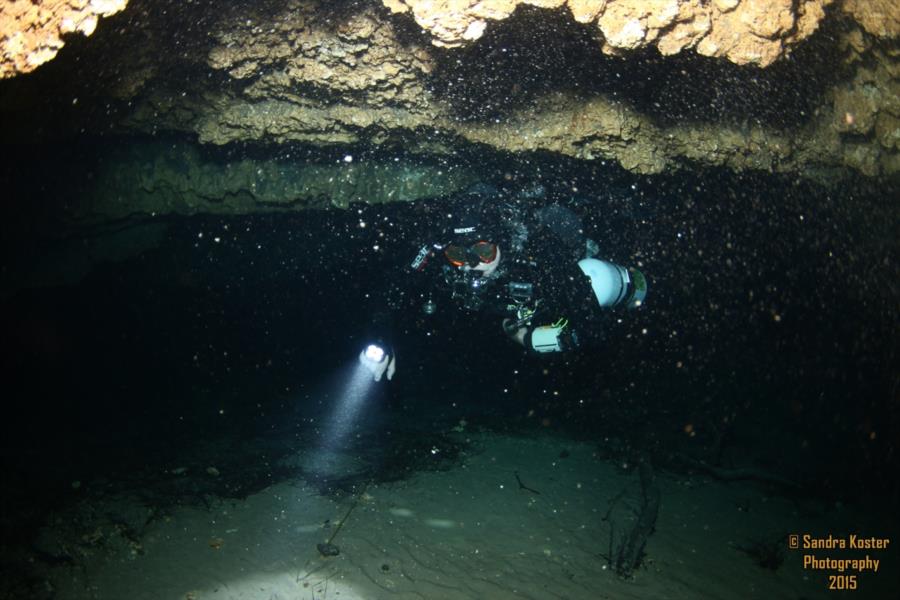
{"x":378,"y":362}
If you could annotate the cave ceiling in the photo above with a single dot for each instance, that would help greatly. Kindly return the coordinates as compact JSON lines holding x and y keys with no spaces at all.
{"x":808,"y":87}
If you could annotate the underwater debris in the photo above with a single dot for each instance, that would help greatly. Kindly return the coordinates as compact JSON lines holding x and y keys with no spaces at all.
{"x":409,"y":452}
{"x":626,"y":553}
{"x":767,"y":554}
{"x":330,"y":549}
{"x":522,"y":486}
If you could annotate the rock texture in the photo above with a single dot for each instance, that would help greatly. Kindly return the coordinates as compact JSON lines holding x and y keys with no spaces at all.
{"x":865,"y":111}
{"x":353,"y":74}
{"x":31,"y":30}
{"x":359,"y":60}
{"x":743,"y":31}
{"x":880,"y":18}
{"x":301,"y":74}
{"x":153,"y":179}
{"x":304,"y":74}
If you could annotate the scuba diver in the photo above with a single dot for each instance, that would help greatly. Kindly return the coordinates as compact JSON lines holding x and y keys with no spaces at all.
{"x":530,"y":266}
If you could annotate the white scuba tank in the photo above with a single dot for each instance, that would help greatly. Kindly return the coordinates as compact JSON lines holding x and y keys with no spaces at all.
{"x":613,"y":284}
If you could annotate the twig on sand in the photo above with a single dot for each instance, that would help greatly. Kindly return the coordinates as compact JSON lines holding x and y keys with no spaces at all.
{"x":522,"y":486}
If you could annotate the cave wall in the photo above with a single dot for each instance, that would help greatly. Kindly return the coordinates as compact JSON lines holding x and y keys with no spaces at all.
{"x":305,"y":72}
{"x":540,"y":77}
{"x":32,"y":32}
{"x":176,"y":177}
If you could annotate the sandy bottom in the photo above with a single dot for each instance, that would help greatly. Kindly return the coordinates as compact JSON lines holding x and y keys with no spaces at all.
{"x":474,"y":533}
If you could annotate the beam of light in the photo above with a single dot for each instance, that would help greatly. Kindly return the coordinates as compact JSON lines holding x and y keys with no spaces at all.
{"x":358,"y":385}
{"x":347,"y":408}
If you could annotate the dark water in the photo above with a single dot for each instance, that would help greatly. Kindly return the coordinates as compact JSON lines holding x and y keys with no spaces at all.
{"x":769,"y":344}
{"x":770,"y":330}
{"x":768,"y":341}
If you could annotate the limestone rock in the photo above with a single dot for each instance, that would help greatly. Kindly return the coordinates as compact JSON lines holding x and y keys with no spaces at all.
{"x":878,"y":17}
{"x":337,"y":75}
{"x":743,"y":31}
{"x":867,"y":109}
{"x":300,"y":77}
{"x":31,"y":30}
{"x":163,"y":179}
{"x":295,"y":52}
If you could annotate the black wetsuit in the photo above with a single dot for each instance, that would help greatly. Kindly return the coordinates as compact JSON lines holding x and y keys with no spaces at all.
{"x":539,"y":250}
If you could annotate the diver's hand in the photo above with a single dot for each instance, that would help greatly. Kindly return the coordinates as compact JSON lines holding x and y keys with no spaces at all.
{"x":378,"y":364}
{"x":515,"y":331}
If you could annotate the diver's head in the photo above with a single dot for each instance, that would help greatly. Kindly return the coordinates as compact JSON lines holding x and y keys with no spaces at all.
{"x":472,"y":246}
{"x":482,"y":256}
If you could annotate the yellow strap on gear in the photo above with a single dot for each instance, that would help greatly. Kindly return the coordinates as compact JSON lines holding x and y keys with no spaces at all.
{"x":562,"y":323}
